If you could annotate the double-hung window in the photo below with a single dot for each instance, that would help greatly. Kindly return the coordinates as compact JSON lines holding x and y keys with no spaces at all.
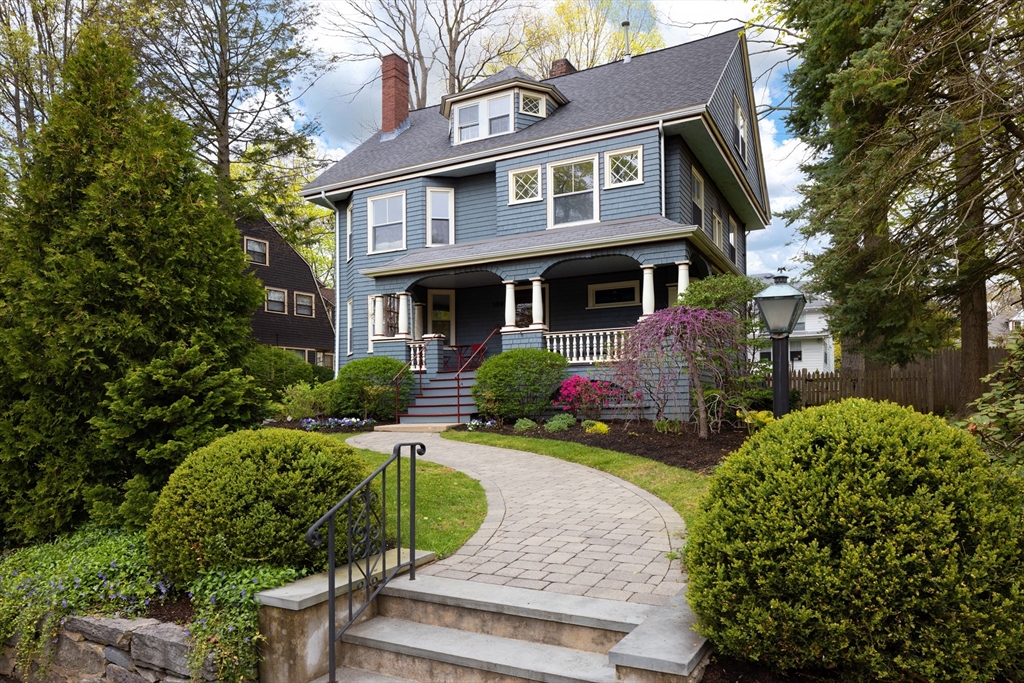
{"x":304,"y":304}
{"x":741,"y":130}
{"x":733,"y":235}
{"x":440,"y":216}
{"x":256,"y":250}
{"x":716,"y":221}
{"x":387,"y":222}
{"x":572,"y":196}
{"x":277,"y":301}
{"x":623,"y":167}
{"x":697,"y":196}
{"x":484,"y":119}
{"x":348,"y":233}
{"x":524,"y":185}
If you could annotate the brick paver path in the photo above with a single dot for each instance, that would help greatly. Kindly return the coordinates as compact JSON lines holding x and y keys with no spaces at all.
{"x":555,"y":526}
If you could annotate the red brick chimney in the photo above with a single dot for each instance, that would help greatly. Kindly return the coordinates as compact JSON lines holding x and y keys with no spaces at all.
{"x":394,"y":75}
{"x":561,"y":67}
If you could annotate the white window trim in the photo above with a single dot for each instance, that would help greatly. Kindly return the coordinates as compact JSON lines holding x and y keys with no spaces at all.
{"x":734,"y":236}
{"x":483,"y":120}
{"x":592,"y":289}
{"x":744,"y":130}
{"x":369,"y":222}
{"x":717,"y":229}
{"x":698,"y":178}
{"x":348,"y":233}
{"x":295,"y":304}
{"x":349,"y":327}
{"x":593,"y":158}
{"x":266,"y":299}
{"x":266,"y":251}
{"x":512,"y":186}
{"x":450,"y":191}
{"x":608,"y":184}
{"x":430,"y":310}
{"x":543,"y":103}
{"x":369,"y":322}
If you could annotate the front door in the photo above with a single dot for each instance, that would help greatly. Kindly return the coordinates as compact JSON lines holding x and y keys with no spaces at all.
{"x":441,"y":313}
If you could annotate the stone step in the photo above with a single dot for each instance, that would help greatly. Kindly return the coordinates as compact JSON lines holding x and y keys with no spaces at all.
{"x":347,"y":675}
{"x":589,"y":624}
{"x":429,"y":653}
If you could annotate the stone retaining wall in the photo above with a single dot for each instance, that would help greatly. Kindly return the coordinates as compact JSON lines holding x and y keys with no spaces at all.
{"x":96,"y":649}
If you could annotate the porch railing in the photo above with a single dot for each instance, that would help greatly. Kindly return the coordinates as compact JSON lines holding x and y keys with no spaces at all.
{"x":363,"y":514}
{"x":586,"y":346}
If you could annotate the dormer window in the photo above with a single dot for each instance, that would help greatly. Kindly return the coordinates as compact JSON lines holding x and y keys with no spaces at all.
{"x":484,"y":119}
{"x":531,"y":104}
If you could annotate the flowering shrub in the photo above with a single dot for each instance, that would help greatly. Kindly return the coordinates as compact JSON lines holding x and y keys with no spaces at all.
{"x":344,"y":423}
{"x":585,"y":397}
{"x":475,"y":425}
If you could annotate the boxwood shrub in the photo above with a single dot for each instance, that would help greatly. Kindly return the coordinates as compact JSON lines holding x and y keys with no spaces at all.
{"x":863,"y":537}
{"x":518,"y":383}
{"x":364,"y":389}
{"x":248,"y":498}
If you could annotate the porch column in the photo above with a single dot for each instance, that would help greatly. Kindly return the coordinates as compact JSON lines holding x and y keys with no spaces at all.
{"x":378,"y":316}
{"x":419,"y":311}
{"x":684,"y":277}
{"x":403,"y":315}
{"x":648,"y":291}
{"x":510,"y":305}
{"x":538,"y":303}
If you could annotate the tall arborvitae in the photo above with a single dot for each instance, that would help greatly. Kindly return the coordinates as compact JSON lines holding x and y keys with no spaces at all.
{"x":115,"y":245}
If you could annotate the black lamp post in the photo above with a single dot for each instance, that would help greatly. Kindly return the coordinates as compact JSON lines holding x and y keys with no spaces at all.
{"x":781,"y":305}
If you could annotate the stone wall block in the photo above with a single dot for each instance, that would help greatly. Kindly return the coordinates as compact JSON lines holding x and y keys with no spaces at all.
{"x":116,"y":632}
{"x":119,"y":674}
{"x":82,"y":657}
{"x":118,"y":657}
{"x":163,"y":646}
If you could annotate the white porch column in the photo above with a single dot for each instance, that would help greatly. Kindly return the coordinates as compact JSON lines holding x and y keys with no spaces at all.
{"x":419,"y":311}
{"x":648,"y":291}
{"x":538,"y":303}
{"x":378,"y":316}
{"x":510,"y":305}
{"x":403,"y":314}
{"x":684,"y":277}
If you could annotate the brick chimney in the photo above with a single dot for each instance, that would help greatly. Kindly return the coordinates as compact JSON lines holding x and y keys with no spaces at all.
{"x":561,"y":67}
{"x":394,"y":75}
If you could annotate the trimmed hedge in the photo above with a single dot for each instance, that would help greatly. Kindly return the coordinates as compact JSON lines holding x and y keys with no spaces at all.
{"x":864,"y":537}
{"x":364,"y":389}
{"x":518,"y":383}
{"x":248,"y":498}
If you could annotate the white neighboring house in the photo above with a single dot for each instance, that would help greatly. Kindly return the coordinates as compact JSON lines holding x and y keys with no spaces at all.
{"x":1000,"y":325}
{"x":811,"y":346}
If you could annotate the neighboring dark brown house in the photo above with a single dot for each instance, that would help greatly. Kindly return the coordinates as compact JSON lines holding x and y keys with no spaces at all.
{"x":295,"y":316}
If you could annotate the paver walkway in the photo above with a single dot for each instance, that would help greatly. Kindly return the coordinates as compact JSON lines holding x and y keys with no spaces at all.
{"x":555,"y":526}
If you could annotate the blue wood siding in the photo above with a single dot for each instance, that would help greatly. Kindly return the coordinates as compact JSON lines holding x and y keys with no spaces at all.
{"x":714,"y":201}
{"x":614,"y":203}
{"x":475,"y":209}
{"x":721,"y":108}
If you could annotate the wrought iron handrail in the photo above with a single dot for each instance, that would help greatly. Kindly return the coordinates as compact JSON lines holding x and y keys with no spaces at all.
{"x":366,"y":552}
{"x":458,"y":373}
{"x":396,"y":380}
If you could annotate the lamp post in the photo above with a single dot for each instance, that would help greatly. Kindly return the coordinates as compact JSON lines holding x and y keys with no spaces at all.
{"x":781,"y":305}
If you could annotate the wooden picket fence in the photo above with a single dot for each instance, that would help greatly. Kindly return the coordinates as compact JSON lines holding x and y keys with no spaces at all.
{"x":929,"y":386}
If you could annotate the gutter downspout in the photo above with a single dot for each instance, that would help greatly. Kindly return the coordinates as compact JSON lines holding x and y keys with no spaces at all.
{"x":661,"y":141}
{"x":337,"y":283}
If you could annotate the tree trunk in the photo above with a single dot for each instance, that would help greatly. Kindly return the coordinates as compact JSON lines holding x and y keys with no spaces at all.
{"x":223,"y":93}
{"x":973,"y":346}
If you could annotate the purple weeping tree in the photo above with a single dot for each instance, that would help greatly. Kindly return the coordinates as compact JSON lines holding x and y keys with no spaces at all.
{"x":706,"y":345}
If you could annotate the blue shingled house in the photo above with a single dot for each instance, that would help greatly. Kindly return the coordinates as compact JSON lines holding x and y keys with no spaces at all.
{"x":548,"y":214}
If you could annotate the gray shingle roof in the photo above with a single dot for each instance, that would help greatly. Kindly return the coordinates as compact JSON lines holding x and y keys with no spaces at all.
{"x":560,"y":240}
{"x":651,"y":84}
{"x":507,"y":74}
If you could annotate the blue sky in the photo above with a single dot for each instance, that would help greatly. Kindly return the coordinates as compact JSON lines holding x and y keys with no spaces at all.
{"x":349,"y":118}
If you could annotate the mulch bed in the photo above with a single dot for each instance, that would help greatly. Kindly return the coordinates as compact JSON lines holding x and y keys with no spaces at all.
{"x":172,"y":610}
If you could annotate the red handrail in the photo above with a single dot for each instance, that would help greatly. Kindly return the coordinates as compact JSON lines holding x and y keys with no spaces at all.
{"x":395,"y":379}
{"x":458,"y":373}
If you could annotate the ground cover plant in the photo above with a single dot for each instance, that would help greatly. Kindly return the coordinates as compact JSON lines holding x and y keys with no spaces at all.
{"x":864,"y":538}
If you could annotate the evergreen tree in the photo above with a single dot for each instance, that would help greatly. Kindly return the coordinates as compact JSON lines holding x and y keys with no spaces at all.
{"x":115,"y":245}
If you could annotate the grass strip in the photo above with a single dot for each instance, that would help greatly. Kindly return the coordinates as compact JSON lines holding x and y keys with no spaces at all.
{"x":682,"y":489}
{"x":450,"y":506}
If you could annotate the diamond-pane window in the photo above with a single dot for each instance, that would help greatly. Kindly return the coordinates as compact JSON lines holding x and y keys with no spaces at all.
{"x":526,"y":185}
{"x":624,"y":168}
{"x":530,"y":105}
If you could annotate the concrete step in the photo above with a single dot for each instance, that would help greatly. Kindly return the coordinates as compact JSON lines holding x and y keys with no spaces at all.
{"x":435,"y":418}
{"x":428,"y":653}
{"x":588,"y":624}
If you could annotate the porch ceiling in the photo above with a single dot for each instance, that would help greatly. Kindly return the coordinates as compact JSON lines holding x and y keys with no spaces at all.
{"x":477,"y":278}
{"x":591,"y":266}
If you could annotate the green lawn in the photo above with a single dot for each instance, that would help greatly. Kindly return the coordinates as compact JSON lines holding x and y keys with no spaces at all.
{"x":449,"y":505}
{"x":679,"y":488}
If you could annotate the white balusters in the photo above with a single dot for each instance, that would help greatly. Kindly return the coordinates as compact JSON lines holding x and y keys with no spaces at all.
{"x":586,"y":346}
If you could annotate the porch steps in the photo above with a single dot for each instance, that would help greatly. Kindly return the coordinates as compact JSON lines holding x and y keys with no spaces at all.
{"x":442,"y":401}
{"x":437,"y":629}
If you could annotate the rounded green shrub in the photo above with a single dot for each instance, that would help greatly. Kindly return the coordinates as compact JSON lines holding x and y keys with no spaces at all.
{"x":524,"y":424}
{"x":276,"y":369}
{"x":863,"y":537}
{"x":518,"y":383}
{"x":364,"y":389}
{"x":560,"y":423}
{"x":248,"y":498}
